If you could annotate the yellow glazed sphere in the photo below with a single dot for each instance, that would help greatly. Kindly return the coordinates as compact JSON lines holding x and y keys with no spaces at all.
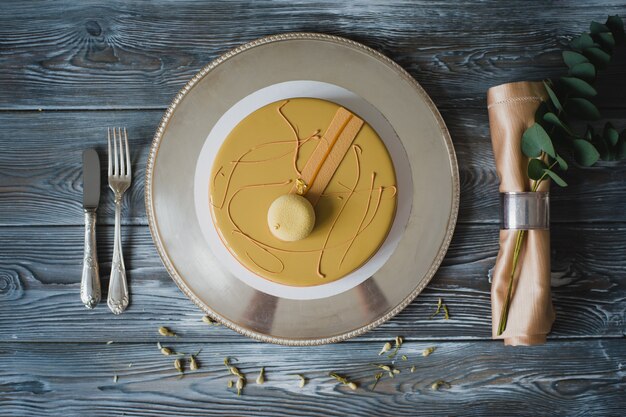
{"x":291,"y":217}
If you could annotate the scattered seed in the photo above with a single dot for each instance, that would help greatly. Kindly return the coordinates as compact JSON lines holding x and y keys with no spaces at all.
{"x":386,"y":348}
{"x":439,"y":304}
{"x":178,"y":364}
{"x":412,"y":368}
{"x":207,"y":320}
{"x":428,"y":351}
{"x":166,"y":351}
{"x":115,"y":378}
{"x":339,"y":378}
{"x":302,"y":382}
{"x":404,"y":358}
{"x":239,"y":385}
{"x":110,"y":342}
{"x":398,"y":343}
{"x":193,"y":363}
{"x":229,"y":384}
{"x":396,"y":371}
{"x":439,"y":384}
{"x":353,"y":386}
{"x":261,"y":378}
{"x":164,"y":331}
{"x":130,"y":364}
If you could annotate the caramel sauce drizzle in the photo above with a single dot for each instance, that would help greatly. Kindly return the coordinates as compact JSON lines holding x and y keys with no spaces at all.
{"x":348,"y":194}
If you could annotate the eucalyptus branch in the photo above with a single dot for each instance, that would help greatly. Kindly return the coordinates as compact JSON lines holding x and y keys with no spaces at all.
{"x":569,"y":99}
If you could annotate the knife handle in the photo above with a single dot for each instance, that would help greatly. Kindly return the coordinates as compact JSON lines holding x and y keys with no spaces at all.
{"x":90,"y":281}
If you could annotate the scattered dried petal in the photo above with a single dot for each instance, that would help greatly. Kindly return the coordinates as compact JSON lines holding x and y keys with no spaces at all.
{"x":396,"y":371}
{"x":439,"y":384}
{"x":302,"y":382}
{"x":208,"y":320}
{"x":130,"y":364}
{"x":261,"y":378}
{"x":386,"y":348}
{"x":428,"y":351}
{"x":446,"y":313}
{"x":164,"y":331}
{"x":404,"y":358}
{"x":115,"y":378}
{"x":412,"y":368}
{"x":167,"y":351}
{"x":229,"y":384}
{"x":352,"y":385}
{"x":110,"y":342}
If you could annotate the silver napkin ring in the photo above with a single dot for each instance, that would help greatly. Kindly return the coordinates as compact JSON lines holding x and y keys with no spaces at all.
{"x":525,"y":210}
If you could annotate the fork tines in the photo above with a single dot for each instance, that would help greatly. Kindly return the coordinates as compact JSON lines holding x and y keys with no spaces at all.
{"x":121,"y":169}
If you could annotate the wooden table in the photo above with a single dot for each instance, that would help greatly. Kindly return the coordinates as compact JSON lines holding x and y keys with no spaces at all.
{"x":69,"y":69}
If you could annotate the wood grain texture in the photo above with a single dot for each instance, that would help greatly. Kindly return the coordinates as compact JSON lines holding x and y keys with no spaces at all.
{"x":91,"y":64}
{"x":41,"y":169}
{"x":583,"y":378}
{"x":139,"y":54}
{"x":40,"y":272}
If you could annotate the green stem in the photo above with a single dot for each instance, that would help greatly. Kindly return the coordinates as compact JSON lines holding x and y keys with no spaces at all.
{"x":504,"y":313}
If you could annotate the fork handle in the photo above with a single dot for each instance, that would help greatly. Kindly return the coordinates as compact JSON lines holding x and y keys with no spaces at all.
{"x":90,"y":281}
{"x":118,"y":288}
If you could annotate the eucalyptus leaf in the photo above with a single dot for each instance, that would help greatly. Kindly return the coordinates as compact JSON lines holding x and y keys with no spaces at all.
{"x":598,"y":57}
{"x":596,"y":27}
{"x":553,"y":98}
{"x":558,"y":180}
{"x":584,"y":70}
{"x":585,"y":153}
{"x":582,"y":108}
{"x":610,"y":134}
{"x":577,"y":87}
{"x":535,"y":140}
{"x":601,"y":146}
{"x":582,"y":42}
{"x":572,"y":58}
{"x":616,"y":24}
{"x":606,"y":39}
{"x":536,"y":168}
{"x":554,"y":120}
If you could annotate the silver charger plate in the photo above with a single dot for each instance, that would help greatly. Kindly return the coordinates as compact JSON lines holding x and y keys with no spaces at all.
{"x":220,"y":85}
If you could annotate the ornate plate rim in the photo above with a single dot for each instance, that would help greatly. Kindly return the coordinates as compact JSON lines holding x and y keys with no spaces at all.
{"x":158,"y":136}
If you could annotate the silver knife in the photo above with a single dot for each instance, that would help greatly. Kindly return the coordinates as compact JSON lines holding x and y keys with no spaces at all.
{"x":90,"y":292}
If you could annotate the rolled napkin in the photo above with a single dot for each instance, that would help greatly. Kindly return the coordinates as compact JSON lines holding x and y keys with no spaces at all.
{"x":511,"y":111}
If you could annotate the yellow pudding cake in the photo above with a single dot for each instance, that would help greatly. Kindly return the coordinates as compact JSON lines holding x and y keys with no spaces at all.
{"x":302,"y":192}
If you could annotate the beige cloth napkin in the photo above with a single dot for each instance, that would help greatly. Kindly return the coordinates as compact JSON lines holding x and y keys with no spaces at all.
{"x":511,"y":111}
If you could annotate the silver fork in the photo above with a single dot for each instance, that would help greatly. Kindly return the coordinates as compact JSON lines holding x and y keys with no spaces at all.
{"x":119,"y":181}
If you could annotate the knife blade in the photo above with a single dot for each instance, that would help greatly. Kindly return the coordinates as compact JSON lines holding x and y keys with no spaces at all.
{"x":90,"y":292}
{"x":91,"y":179}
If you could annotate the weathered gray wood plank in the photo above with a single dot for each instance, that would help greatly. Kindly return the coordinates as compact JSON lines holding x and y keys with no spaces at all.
{"x":564,"y":378}
{"x":41,"y":183}
{"x":40,"y":272}
{"x":139,"y":54}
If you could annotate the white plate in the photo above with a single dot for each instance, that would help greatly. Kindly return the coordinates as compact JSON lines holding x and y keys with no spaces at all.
{"x":282,"y":91}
